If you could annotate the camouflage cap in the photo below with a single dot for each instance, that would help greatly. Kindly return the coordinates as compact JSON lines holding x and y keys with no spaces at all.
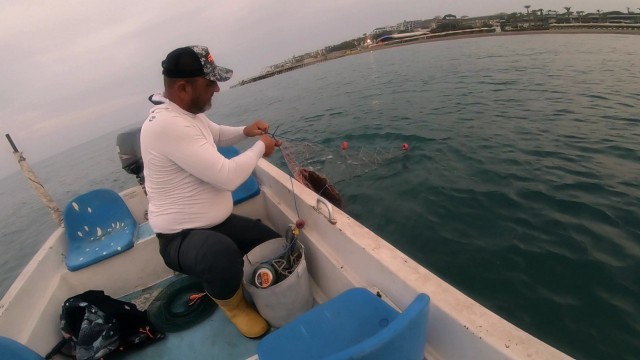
{"x":194,"y":61}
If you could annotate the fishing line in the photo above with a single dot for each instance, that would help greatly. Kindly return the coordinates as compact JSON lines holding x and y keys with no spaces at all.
{"x":295,"y":203}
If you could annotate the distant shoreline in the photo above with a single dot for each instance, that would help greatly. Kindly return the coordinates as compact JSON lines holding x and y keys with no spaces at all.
{"x":508,"y":33}
{"x":444,"y":38}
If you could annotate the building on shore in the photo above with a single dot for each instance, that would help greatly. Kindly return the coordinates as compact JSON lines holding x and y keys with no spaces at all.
{"x":452,"y":25}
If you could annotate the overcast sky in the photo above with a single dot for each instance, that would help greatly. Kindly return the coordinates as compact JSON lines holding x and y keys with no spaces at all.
{"x":72,"y":70}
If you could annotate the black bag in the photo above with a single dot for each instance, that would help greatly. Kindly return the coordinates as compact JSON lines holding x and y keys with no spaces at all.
{"x":94,"y":325}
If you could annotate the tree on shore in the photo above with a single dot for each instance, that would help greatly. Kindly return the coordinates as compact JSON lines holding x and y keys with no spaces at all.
{"x":528,"y":15}
{"x":568,"y":9}
{"x":347,"y":45}
{"x":541,"y":14}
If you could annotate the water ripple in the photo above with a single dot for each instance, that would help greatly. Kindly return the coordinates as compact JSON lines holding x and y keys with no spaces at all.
{"x":521,"y":186}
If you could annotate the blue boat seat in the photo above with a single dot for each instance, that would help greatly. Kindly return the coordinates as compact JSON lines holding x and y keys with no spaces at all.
{"x":98,"y":225}
{"x":354,"y":325}
{"x":11,"y":349}
{"x":247,"y":189}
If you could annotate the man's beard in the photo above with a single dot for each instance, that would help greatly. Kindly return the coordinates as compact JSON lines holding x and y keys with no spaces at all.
{"x":199,"y":109}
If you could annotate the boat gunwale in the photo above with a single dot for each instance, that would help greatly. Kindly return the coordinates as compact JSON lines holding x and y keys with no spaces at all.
{"x":458,"y":324}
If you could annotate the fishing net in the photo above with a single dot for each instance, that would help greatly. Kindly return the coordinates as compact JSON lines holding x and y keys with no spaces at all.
{"x":287,"y":263}
{"x":312,"y":164}
{"x":307,"y":176}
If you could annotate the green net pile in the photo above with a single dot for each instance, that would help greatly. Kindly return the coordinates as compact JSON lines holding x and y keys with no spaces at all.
{"x":174,"y":309}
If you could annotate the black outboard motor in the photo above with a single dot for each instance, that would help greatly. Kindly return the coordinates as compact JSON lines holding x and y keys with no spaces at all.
{"x":128,"y":145}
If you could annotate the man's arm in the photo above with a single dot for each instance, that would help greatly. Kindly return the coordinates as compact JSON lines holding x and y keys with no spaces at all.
{"x":231,"y":135}
{"x":189,"y":149}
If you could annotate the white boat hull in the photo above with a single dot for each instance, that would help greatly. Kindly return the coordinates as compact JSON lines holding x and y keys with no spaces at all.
{"x":339,"y":256}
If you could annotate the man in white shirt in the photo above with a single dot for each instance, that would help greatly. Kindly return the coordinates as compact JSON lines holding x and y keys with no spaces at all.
{"x":189,"y":183}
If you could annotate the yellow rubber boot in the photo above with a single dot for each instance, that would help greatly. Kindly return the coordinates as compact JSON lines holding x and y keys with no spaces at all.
{"x":243,"y":316}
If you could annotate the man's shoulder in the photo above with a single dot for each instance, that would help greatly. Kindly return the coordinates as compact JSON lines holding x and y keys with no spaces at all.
{"x":205,"y":119}
{"x":162,"y":121}
{"x":165,"y":115}
{"x":167,"y":123}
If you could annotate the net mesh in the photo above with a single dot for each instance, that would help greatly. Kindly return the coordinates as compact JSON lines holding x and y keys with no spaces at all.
{"x":307,"y":176}
{"x":308,"y":162}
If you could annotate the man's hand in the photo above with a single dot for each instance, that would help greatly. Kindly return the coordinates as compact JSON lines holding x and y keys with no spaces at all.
{"x":269,"y":144}
{"x":258,"y":128}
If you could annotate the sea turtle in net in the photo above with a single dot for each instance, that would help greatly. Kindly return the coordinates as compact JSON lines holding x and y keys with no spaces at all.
{"x":320,"y":185}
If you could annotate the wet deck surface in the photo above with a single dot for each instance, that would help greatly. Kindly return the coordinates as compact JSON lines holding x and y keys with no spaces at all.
{"x":213,"y":338}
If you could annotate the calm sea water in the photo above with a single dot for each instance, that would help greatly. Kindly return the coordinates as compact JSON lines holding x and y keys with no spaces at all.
{"x":521,"y":186}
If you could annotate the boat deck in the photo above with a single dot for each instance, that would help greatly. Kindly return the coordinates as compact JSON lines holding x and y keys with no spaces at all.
{"x":213,"y":338}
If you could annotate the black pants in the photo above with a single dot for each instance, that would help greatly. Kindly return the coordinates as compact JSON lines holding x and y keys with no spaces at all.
{"x":215,"y":255}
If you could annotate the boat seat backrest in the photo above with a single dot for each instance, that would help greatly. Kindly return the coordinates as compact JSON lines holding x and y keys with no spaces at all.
{"x":248,"y":189}
{"x":354,"y":325}
{"x":11,"y":349}
{"x":98,"y":225}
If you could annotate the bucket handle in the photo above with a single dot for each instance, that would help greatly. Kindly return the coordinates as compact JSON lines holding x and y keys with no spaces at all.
{"x":329,"y":215}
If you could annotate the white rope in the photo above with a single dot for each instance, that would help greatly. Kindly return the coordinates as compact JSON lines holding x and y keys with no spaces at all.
{"x":39,"y":188}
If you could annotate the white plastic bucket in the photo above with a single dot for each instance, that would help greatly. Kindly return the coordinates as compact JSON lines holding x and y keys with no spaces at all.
{"x":284,"y":301}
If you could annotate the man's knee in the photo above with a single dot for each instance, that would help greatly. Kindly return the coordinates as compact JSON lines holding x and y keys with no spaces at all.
{"x":212,"y":256}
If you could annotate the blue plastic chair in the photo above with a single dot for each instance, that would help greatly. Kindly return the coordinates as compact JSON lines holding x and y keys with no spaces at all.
{"x":11,"y":349}
{"x":354,"y":325}
{"x":248,"y":189}
{"x":98,"y":225}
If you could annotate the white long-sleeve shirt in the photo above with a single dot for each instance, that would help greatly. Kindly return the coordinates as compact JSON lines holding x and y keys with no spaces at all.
{"x":188,"y":182}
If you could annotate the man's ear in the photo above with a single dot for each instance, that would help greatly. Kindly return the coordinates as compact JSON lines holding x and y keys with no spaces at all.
{"x":184,"y":89}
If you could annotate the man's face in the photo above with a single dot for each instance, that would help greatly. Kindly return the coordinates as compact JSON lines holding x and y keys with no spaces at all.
{"x":202,"y":91}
